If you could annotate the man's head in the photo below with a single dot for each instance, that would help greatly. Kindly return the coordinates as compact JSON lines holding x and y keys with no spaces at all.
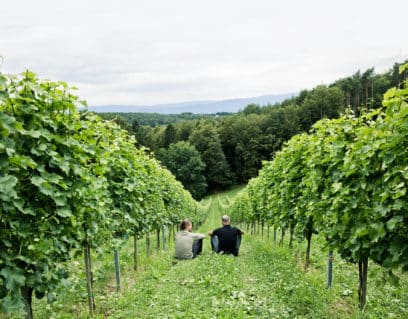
{"x":186,"y":224}
{"x":225,"y":220}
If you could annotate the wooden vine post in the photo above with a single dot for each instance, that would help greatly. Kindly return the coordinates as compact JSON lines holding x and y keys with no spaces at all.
{"x":163,"y":237}
{"x":147,"y":245}
{"x":88,"y":272}
{"x":117,"y":269}
{"x":158,"y":238}
{"x":330,"y":270}
{"x":362,"y":286}
{"x":135,"y":252}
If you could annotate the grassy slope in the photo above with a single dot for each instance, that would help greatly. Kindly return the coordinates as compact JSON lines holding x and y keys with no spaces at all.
{"x":265,"y":281}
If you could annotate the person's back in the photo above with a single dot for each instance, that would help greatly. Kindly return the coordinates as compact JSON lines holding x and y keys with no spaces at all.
{"x":188,"y":244}
{"x":226,"y":239}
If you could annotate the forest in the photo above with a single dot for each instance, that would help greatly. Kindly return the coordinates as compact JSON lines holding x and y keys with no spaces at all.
{"x":209,"y":153}
{"x":156,"y":119}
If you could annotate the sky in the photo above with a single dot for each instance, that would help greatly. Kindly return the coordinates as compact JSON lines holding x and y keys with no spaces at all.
{"x":145,"y":52}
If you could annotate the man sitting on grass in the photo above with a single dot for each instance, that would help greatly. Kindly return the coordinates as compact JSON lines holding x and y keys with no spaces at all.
{"x":227,"y":239}
{"x":188,"y":244}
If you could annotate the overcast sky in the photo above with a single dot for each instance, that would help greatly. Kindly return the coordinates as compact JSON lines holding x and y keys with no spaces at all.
{"x":147,"y":52}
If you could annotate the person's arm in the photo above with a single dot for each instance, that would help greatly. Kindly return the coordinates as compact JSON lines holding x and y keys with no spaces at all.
{"x":197,"y":236}
{"x":214,"y":232}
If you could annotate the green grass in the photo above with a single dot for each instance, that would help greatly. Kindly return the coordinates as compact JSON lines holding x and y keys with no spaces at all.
{"x":265,"y":281}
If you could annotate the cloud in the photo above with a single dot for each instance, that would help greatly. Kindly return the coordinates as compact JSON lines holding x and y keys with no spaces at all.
{"x":148,"y":52}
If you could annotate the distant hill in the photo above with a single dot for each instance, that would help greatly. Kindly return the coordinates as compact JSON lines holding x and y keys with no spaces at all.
{"x":197,"y":107}
{"x":155,"y":119}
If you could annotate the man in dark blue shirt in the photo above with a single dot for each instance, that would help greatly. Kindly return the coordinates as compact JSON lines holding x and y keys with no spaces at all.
{"x":226,"y":239}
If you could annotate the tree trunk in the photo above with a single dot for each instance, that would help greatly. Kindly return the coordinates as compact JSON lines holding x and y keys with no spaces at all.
{"x":163,"y":237}
{"x":330,"y":270}
{"x":88,"y":271}
{"x":291,"y":231}
{"x":262,"y":229}
{"x":147,"y":245}
{"x":366,"y":94}
{"x":117,"y":269}
{"x":362,"y":287}
{"x":27,"y":294}
{"x":253,"y":228}
{"x":158,"y":239}
{"x":274,"y":234}
{"x":309,"y":240}
{"x":169,"y":240}
{"x":134,"y":251}
{"x":268,"y":232}
{"x":358,"y":101}
{"x":282,"y":236}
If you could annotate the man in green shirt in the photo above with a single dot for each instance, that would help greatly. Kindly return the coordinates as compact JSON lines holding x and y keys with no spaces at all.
{"x":188,"y":244}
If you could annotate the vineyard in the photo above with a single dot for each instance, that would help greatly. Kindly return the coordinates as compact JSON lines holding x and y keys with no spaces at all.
{"x":83,"y":209}
{"x":267,"y":280}
{"x":70,"y":182}
{"x":347,"y":181}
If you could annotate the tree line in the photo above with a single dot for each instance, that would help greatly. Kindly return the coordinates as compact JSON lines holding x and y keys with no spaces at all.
{"x":156,"y":119}
{"x":227,"y":150}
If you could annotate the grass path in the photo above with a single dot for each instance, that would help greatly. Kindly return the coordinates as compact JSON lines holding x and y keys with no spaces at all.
{"x":260,"y":283}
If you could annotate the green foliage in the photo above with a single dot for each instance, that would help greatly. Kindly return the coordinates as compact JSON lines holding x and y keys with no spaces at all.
{"x":243,"y":146}
{"x":169,"y":136}
{"x":185,"y":162}
{"x":252,"y":109}
{"x":321,"y":102}
{"x":44,"y":169}
{"x":207,"y":141}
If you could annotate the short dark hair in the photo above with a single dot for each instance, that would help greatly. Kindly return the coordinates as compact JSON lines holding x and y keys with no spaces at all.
{"x":184,"y":224}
